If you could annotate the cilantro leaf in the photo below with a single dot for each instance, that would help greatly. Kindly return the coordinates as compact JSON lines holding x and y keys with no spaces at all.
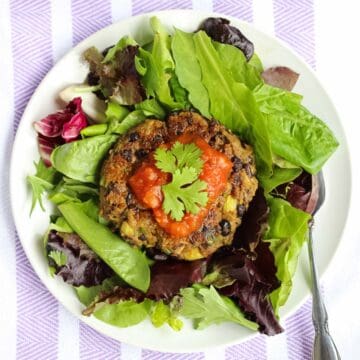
{"x":59,"y":257}
{"x":206,"y":306}
{"x":179,"y":156}
{"x":184,"y":192}
{"x":43,"y":180}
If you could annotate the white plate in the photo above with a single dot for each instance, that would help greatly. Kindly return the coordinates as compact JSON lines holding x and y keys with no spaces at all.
{"x":329,"y":222}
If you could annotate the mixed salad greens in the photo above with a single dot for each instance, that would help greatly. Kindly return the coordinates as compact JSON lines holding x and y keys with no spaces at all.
{"x":215,"y":72}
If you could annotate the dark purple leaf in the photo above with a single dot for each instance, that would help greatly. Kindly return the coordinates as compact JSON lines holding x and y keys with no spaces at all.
{"x":46,"y":146}
{"x":118,"y":78}
{"x":117,"y":294}
{"x":254,"y":223}
{"x":302,"y":193}
{"x":255,"y":280}
{"x":281,"y":77}
{"x":83,"y":266}
{"x":169,"y":276}
{"x":220,"y":30}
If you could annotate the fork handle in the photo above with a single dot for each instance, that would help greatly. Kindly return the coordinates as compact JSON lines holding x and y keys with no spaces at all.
{"x":324,"y":347}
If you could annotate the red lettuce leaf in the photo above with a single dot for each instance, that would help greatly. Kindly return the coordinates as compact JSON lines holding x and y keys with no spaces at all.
{"x":281,"y":77}
{"x":169,"y":276}
{"x":220,"y":30}
{"x":83,"y":266}
{"x":254,"y":223}
{"x":255,"y":280}
{"x":302,"y":193}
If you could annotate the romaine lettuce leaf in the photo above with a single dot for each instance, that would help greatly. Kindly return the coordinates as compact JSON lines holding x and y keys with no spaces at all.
{"x":288,"y":230}
{"x":235,"y":61}
{"x":188,"y":70}
{"x":296,"y":135}
{"x":232,"y":103}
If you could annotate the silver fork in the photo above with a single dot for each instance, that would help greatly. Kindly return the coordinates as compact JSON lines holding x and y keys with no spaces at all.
{"x":324,"y":347}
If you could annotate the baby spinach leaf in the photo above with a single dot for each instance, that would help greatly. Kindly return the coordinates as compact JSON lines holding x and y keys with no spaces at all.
{"x":124,"y":313}
{"x":80,"y":160}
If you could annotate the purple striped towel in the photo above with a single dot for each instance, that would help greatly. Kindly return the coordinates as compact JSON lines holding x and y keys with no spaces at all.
{"x":33,"y":35}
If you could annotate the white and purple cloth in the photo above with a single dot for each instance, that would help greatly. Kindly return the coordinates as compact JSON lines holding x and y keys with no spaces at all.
{"x":33,"y":35}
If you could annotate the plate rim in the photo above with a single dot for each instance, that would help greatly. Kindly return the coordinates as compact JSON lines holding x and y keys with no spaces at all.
{"x":204,"y":14}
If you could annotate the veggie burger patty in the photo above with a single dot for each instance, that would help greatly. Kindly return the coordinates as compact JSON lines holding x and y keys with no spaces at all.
{"x":137,"y":225}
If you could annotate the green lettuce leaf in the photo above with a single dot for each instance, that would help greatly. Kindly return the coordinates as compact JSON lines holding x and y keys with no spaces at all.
{"x":44,"y":180}
{"x":188,"y":70}
{"x":161,"y":314}
{"x":157,"y":65}
{"x":278,"y":177}
{"x":288,"y":230}
{"x":59,"y":257}
{"x":115,"y":111}
{"x":296,"y":135}
{"x":120,"y":45}
{"x":81,"y":160}
{"x":235,"y":61}
{"x":74,"y":190}
{"x":207,"y":307}
{"x":151,"y":108}
{"x":127,"y":262}
{"x":232,"y":103}
{"x":124,"y":313}
{"x":87,"y":295}
{"x":136,"y":117}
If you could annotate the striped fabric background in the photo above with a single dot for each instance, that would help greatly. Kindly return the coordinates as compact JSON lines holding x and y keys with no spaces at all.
{"x":33,"y":35}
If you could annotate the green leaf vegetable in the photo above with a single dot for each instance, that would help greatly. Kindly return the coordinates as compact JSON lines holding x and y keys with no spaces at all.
{"x":43,"y":181}
{"x":81,"y":160}
{"x":235,"y":61}
{"x":185,"y":192}
{"x":179,"y":156}
{"x":59,"y":257}
{"x":124,"y":313}
{"x":288,"y":230}
{"x":134,"y":118}
{"x":151,"y":108}
{"x":120,"y":45}
{"x":231,"y":102}
{"x":296,"y":135}
{"x":87,"y":295}
{"x":161,"y":314}
{"x":188,"y":70}
{"x":127,"y":262}
{"x":156,"y":66}
{"x":207,"y":307}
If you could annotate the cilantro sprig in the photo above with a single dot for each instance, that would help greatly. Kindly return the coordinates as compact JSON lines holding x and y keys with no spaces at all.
{"x":186,"y":192}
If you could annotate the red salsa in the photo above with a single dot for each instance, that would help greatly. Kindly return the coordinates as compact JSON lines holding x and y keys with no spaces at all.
{"x":147,"y":181}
